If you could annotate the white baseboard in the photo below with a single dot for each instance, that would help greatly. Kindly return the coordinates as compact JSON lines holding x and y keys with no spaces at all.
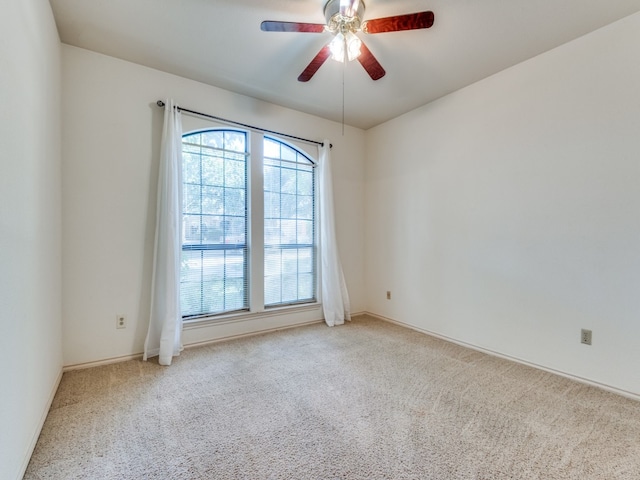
{"x":99,"y":363}
{"x":43,"y":417}
{"x":570,"y":376}
{"x":135,"y":356}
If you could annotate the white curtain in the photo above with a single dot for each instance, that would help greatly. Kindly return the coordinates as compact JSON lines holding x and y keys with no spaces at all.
{"x":335,"y":298}
{"x":164,"y":338}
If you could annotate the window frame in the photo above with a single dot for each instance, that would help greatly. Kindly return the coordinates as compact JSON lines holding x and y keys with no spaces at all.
{"x":314,"y":219}
{"x":204,"y":247}
{"x":255,"y":232}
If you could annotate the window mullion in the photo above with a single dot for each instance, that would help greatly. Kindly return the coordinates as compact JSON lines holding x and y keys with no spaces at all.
{"x":256,"y":223}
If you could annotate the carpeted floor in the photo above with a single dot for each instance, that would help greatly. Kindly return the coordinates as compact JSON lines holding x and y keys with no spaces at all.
{"x":368,"y":400}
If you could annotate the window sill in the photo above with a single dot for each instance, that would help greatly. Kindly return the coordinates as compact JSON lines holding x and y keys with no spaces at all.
{"x":245,"y":316}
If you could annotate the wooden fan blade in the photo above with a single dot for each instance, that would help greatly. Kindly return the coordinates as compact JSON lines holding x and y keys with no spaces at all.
{"x":315,"y":64}
{"x":410,"y":21}
{"x":370,"y":64}
{"x":271,"y":26}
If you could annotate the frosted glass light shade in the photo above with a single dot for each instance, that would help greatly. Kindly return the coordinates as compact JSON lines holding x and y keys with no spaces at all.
{"x":348,"y":43}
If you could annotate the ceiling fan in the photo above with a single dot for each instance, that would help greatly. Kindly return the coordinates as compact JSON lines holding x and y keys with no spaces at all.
{"x":344,"y":20}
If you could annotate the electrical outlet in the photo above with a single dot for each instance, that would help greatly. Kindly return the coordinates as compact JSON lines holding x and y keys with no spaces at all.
{"x":388,"y":295}
{"x":121,"y":321}
{"x":585,"y":336}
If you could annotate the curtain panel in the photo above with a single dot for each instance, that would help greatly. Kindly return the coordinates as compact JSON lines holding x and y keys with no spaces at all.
{"x":335,"y":298}
{"x":164,"y":337}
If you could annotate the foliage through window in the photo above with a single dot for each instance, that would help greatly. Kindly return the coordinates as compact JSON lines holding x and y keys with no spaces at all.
{"x":217,"y":249}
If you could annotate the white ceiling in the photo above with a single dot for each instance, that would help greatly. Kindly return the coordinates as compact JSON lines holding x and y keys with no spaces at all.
{"x":219,"y":42}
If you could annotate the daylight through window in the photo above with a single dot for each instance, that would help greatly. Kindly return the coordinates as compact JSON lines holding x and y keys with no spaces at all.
{"x":217,"y":248}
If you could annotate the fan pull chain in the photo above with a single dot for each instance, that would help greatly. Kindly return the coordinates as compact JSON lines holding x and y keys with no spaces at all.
{"x":344,"y":67}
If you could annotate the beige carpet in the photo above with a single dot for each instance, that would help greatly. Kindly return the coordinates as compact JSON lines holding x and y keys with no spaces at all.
{"x":367,"y":400}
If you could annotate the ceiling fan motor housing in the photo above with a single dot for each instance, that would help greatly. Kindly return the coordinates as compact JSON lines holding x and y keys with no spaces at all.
{"x":342,"y":18}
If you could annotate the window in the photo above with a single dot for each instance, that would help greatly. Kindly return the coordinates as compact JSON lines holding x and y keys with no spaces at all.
{"x":289,"y":226}
{"x":214,"y":239}
{"x":217,"y":247}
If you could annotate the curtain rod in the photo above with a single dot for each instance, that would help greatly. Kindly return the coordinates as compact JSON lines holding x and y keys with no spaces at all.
{"x":160,"y":103}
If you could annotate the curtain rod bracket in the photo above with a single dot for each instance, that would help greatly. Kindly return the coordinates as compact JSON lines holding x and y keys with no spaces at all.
{"x":160,"y":103}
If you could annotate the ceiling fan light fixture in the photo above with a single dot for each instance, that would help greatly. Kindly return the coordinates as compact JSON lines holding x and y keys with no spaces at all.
{"x":353,"y":46}
{"x":337,"y":47}
{"x":347,"y":45}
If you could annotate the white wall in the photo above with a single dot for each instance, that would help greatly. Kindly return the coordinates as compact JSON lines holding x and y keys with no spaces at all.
{"x":507,"y":215}
{"x":30,"y":311}
{"x":111,"y":138}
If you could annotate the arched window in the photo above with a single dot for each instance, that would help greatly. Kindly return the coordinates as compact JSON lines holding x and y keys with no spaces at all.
{"x":214,"y":239}
{"x":289,"y":225}
{"x":220,"y":258}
